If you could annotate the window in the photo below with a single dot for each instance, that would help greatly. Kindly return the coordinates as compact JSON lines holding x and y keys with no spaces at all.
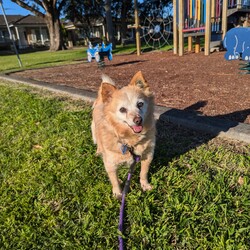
{"x":1,"y":36}
{"x":4,"y":36}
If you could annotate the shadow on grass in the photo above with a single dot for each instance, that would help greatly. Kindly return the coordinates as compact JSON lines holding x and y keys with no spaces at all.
{"x":174,"y":140}
{"x":48,"y":63}
{"x":41,"y":65}
{"x":234,"y":117}
{"x":23,"y":51}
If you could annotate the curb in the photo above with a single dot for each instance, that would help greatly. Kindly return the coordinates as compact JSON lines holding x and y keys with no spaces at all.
{"x":214,"y":126}
{"x":217,"y":127}
{"x":62,"y":89}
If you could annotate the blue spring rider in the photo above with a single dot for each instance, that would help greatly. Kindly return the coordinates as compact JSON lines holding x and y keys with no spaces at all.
{"x":99,"y":52}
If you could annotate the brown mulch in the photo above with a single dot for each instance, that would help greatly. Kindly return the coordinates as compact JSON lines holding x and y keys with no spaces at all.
{"x":207,"y":84}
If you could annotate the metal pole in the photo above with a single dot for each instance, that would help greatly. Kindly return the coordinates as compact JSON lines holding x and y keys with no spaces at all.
{"x":11,"y":37}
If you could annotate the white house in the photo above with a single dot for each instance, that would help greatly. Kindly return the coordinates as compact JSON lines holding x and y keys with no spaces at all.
{"x":27,"y":31}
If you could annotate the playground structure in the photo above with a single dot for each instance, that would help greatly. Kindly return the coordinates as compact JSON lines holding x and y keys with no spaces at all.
{"x":157,"y":26}
{"x":99,"y":53}
{"x":198,"y":18}
{"x":156,"y":31}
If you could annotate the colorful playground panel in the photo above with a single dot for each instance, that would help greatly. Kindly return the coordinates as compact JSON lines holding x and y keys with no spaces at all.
{"x":196,"y":18}
{"x":195,"y":15}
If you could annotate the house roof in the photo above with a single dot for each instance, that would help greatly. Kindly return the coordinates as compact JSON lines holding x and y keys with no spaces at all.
{"x":30,"y":19}
{"x":21,"y":20}
{"x":10,"y":18}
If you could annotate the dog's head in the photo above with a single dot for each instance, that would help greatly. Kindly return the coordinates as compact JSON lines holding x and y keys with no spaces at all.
{"x":129,"y":107}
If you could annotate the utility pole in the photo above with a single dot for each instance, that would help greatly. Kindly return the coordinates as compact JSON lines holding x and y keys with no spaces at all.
{"x":11,"y":37}
{"x":137,"y":30}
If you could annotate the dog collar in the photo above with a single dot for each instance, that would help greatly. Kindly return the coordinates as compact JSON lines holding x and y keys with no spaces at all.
{"x":125,"y":148}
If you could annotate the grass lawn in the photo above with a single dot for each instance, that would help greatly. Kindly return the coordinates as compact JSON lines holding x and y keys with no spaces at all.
{"x":42,"y":59}
{"x":55,"y":194}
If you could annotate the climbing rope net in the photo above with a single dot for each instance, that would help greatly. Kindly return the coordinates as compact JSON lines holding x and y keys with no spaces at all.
{"x":157,"y":28}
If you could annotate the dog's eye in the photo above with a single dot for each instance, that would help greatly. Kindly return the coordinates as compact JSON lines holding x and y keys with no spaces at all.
{"x":140,"y":104}
{"x":123,"y":110}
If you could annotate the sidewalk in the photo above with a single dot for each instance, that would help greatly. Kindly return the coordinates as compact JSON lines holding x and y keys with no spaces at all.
{"x":214,"y":126}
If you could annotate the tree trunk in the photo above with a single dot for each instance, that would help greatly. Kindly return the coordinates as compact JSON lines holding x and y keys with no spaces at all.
{"x":109,"y":22}
{"x":49,"y":10}
{"x":124,"y":10}
{"x":54,"y":26}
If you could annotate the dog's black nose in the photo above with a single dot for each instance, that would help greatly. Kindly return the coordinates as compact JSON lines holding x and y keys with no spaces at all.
{"x":137,"y":120}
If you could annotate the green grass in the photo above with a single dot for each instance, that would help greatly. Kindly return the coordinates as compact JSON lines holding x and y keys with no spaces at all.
{"x":55,"y":194}
{"x":41,"y":59}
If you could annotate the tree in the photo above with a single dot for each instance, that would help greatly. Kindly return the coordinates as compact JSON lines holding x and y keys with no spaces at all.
{"x":122,"y":10}
{"x":50,"y":11}
{"x":88,"y":11}
{"x":149,"y":7}
{"x":110,"y":29}
{"x":125,"y":8}
{"x":85,"y":12}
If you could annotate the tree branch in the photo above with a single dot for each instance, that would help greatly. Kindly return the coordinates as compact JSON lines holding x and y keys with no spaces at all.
{"x":30,"y":8}
{"x":63,"y":2}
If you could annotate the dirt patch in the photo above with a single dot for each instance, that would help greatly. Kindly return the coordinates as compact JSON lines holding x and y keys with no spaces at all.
{"x":206,"y":84}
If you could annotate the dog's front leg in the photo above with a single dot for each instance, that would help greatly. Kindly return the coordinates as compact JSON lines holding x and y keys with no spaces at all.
{"x":117,"y":192}
{"x":111,"y":169}
{"x":145,"y":164}
{"x":93,"y":132}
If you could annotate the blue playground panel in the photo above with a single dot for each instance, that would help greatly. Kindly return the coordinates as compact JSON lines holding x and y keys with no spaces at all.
{"x":99,"y":52}
{"x":237,"y":43}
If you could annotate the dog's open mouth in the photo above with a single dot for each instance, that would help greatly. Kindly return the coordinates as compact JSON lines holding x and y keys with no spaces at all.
{"x":137,"y":128}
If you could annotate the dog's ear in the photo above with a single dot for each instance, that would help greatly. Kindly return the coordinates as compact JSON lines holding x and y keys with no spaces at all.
{"x":139,"y":81}
{"x":107,"y":91}
{"x":107,"y":88}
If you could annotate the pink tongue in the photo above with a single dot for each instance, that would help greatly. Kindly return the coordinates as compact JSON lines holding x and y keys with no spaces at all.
{"x":137,"y":129}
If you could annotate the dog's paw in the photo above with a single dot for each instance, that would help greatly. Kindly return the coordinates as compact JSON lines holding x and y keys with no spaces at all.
{"x":146,"y":186}
{"x":117,"y":194}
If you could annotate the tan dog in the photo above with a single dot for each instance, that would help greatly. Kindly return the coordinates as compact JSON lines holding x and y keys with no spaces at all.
{"x":123,"y":120}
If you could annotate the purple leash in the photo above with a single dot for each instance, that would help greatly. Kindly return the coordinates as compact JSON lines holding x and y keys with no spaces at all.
{"x":122,"y":207}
